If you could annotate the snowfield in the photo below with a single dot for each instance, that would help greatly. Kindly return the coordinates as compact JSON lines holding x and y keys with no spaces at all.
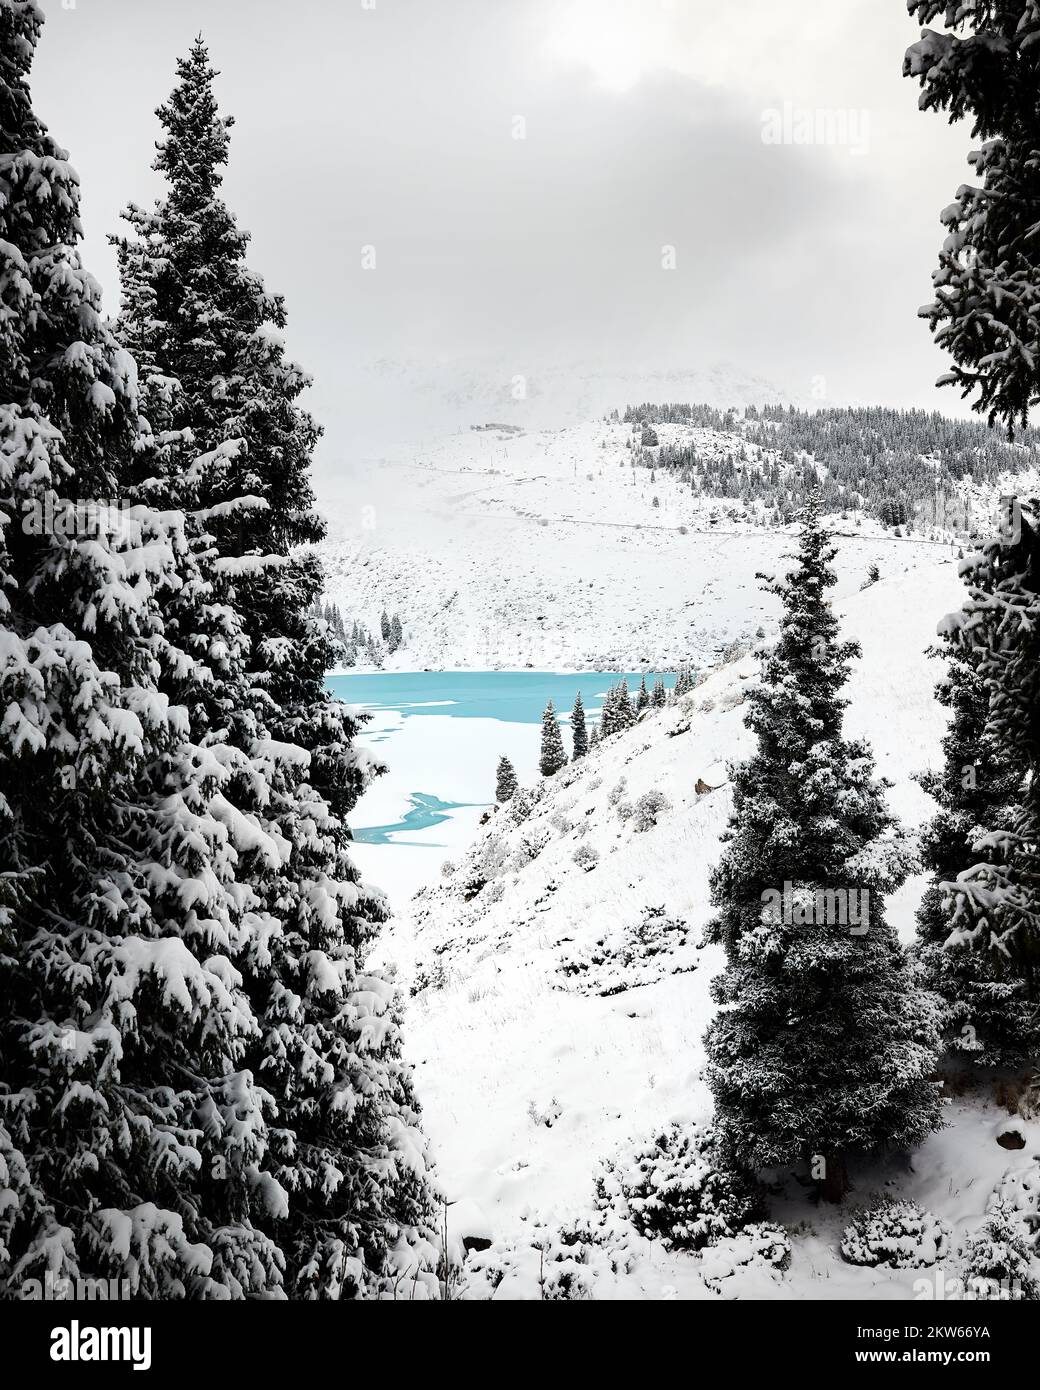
{"x":557,"y":991}
{"x":502,"y":550}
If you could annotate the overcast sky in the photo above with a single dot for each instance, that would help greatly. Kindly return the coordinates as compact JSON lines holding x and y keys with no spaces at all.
{"x":393,"y":124}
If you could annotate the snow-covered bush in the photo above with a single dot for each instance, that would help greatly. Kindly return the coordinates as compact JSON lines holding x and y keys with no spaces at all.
{"x":895,"y":1235}
{"x":760,"y":1246}
{"x":617,"y":791}
{"x":490,"y":857}
{"x":1019,"y":1188}
{"x":734,"y":651}
{"x":532,"y":844}
{"x":679,"y":1188}
{"x":428,"y":975}
{"x":447,"y":869}
{"x":649,"y":809}
{"x":586,"y":857}
{"x":552,"y":1263}
{"x":635,"y":954}
{"x":1000,"y":1263}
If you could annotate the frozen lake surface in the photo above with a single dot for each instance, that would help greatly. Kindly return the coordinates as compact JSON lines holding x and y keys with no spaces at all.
{"x":442,"y":733}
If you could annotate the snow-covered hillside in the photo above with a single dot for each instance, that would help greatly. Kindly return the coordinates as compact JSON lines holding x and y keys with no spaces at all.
{"x":558,"y":992}
{"x":502,"y":550}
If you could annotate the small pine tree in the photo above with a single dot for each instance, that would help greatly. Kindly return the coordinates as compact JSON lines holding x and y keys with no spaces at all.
{"x":579,"y":731}
{"x":553,"y":755}
{"x":659,"y":697}
{"x":608,"y":718}
{"x":999,"y":1263}
{"x":642,"y":697}
{"x":396,"y":633}
{"x":624,"y":710}
{"x":594,"y":736}
{"x":505,"y":782}
{"x":823,"y":1044}
{"x":384,"y":626}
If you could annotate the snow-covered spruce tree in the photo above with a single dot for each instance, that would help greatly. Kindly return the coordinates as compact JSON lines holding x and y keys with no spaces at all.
{"x":608,"y":721}
{"x":505,"y":782}
{"x":659,"y":697}
{"x":643,"y":696}
{"x":553,"y":754}
{"x":988,"y":1012}
{"x":996,"y":895}
{"x":347,"y":1198}
{"x":986,"y":311}
{"x":823,"y":1044}
{"x":579,"y":729}
{"x":624,"y":710}
{"x":999,"y":1260}
{"x":124,"y":1084}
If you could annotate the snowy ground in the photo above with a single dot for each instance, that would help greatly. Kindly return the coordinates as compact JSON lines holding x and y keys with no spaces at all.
{"x":530,"y":1075}
{"x":503,"y":550}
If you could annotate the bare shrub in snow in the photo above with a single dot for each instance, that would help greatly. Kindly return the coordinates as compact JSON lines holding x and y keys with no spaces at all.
{"x":895,"y":1235}
{"x":533,"y":843}
{"x":428,"y":975}
{"x":679,"y":1188}
{"x":625,"y":957}
{"x":648,"y":810}
{"x":447,"y":869}
{"x":544,"y":1112}
{"x":523,"y":803}
{"x":586,"y":857}
{"x":617,"y":791}
{"x":490,"y":857}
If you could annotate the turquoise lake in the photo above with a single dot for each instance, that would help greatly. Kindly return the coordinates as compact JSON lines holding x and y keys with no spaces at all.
{"x":515,"y":697}
{"x":441,"y":734}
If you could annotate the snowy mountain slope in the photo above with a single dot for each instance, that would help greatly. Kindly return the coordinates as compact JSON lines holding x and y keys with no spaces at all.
{"x":532,"y":1070}
{"x":503,"y":550}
